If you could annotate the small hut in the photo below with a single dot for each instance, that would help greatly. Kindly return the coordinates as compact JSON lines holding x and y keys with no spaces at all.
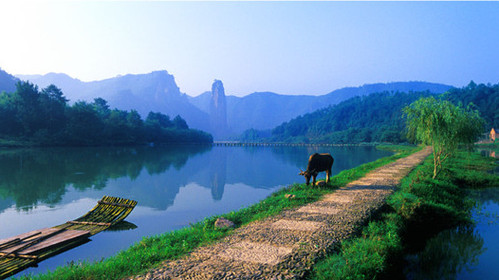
{"x":492,"y":135}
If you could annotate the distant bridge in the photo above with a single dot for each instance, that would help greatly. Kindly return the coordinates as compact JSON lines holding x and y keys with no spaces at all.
{"x":276,"y":144}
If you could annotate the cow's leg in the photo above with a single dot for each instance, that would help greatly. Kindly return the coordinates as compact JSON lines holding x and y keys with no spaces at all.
{"x":328,"y":175}
{"x":313,"y":182}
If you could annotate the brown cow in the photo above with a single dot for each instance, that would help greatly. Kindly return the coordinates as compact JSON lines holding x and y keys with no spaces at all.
{"x":318,"y":163}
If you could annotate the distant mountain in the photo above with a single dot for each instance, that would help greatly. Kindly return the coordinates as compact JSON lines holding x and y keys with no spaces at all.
{"x":156,"y":91}
{"x":7,"y":82}
{"x":266,"y":110}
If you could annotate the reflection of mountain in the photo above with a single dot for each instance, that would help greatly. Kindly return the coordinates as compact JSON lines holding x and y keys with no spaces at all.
{"x":153,"y":176}
{"x":218,"y":172}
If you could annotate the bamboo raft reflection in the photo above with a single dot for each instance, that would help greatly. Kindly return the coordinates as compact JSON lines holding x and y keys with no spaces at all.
{"x":24,"y":250}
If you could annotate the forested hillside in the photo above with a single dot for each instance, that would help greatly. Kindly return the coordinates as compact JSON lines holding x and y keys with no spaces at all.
{"x":32,"y":117}
{"x":7,"y":81}
{"x":156,"y":91}
{"x":485,"y":98}
{"x":377,"y":117}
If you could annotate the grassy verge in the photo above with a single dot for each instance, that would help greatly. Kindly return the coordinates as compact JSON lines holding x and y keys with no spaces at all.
{"x":151,"y":251}
{"x":420,"y":208}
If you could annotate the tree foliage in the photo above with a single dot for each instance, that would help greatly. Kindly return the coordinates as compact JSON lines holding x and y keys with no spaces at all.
{"x":442,"y":125}
{"x":485,"y":98}
{"x":45,"y":118}
{"x":372,"y":118}
{"x":378,"y":117}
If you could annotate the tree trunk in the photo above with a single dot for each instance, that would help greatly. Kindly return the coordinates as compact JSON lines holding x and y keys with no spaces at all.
{"x":435,"y":164}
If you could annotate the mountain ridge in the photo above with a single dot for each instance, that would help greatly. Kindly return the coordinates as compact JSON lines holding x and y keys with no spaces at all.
{"x":157,"y":91}
{"x":266,"y":110}
{"x":7,"y":81}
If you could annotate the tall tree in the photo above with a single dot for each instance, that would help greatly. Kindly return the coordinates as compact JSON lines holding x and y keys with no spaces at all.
{"x":443,"y":126}
{"x":180,"y":123}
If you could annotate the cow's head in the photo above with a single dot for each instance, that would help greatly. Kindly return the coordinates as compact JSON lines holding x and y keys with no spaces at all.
{"x":308,"y":174}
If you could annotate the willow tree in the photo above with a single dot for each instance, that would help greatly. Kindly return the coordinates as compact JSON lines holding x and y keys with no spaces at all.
{"x":443,"y":126}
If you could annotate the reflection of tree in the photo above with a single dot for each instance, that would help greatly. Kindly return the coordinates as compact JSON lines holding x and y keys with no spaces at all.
{"x":446,"y":255}
{"x":29,"y":176}
{"x":155,"y":174}
{"x":484,"y":195}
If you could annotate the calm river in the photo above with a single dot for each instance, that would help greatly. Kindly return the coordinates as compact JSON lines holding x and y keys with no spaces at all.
{"x":466,"y":252}
{"x":174,"y":186}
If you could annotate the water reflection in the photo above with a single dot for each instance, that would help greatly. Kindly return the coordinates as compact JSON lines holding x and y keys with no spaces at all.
{"x":218,"y":173}
{"x":446,"y":255}
{"x":32,"y":176}
{"x":175,"y":186}
{"x":154,"y":175}
{"x":489,"y":153}
{"x":468,"y":252}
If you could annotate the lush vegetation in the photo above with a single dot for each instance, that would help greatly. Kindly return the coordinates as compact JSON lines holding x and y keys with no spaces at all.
{"x":484,"y":97}
{"x":376,"y":117}
{"x":29,"y":116}
{"x":373,"y":118}
{"x":420,"y":208}
{"x":442,"y":125}
{"x":7,"y":81}
{"x":153,"y":250}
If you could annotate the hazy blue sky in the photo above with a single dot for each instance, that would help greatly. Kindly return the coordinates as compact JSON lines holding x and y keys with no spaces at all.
{"x":285,"y":47}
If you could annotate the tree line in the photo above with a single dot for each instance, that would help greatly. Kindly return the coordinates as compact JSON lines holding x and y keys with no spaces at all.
{"x":372,"y":118}
{"x":377,"y":117}
{"x":30,"y":116}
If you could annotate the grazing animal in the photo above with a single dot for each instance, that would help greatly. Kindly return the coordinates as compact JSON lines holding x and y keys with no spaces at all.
{"x":318,"y":163}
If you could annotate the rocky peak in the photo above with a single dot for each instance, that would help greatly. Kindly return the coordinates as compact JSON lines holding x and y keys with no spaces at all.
{"x":218,"y":109}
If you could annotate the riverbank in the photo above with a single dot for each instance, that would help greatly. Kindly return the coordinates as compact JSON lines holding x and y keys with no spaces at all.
{"x":420,"y":208}
{"x":153,"y":250}
{"x":287,"y":245}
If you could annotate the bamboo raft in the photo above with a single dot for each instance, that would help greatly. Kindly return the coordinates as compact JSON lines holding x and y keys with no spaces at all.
{"x":22,"y":251}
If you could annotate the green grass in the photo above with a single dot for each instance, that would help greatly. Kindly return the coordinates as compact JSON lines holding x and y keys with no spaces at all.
{"x":151,"y":251}
{"x":421,"y":207}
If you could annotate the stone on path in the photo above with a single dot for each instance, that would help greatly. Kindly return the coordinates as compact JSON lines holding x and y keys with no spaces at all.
{"x":223,"y":223}
{"x":255,"y":253}
{"x":297,"y":225}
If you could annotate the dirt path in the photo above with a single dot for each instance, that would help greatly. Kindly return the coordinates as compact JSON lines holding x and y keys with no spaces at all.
{"x":287,"y":245}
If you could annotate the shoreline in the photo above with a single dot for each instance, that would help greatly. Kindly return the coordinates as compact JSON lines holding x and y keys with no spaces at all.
{"x":286,"y":246}
{"x":151,"y":250}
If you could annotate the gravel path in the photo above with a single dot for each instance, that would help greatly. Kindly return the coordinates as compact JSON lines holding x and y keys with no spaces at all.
{"x":287,"y":245}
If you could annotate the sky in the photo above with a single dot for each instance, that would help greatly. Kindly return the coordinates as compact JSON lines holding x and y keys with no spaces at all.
{"x":307,"y":48}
